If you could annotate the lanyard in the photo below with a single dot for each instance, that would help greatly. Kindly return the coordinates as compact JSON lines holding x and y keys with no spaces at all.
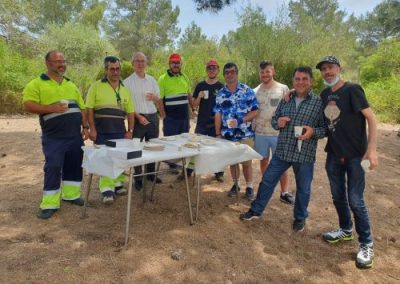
{"x":117,"y":93}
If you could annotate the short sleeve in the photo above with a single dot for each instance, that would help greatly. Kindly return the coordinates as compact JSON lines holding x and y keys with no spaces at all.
{"x":91,"y":96}
{"x":358,"y":99}
{"x":31,"y":93}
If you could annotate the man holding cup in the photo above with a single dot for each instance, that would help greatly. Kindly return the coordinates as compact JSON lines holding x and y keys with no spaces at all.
{"x":146,"y":99}
{"x":346,"y":112}
{"x":303,"y":111}
{"x":235,"y":108}
{"x":61,"y":110}
{"x":204,"y":97}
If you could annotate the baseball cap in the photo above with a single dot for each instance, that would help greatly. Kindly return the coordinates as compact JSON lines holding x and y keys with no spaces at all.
{"x":174,"y":57}
{"x":328,"y":59}
{"x":212,"y":62}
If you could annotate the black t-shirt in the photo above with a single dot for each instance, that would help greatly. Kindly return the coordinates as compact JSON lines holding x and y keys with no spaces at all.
{"x":206,"y":114}
{"x":347,"y":135}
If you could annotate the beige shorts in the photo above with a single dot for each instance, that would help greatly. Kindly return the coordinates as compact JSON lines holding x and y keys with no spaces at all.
{"x":248,"y":142}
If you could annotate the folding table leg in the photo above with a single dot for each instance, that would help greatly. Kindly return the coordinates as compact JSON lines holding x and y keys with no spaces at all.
{"x":128,"y":209}
{"x":187,"y":191}
{"x":88,"y":186}
{"x":198,"y":196}
{"x":154,"y":182}
{"x":144,"y":195}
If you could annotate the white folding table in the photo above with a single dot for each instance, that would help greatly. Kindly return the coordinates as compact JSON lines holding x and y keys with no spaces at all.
{"x":102,"y":162}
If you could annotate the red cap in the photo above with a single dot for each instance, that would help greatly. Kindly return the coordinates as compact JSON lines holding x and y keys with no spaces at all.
{"x":174,"y":57}
{"x":212,"y":62}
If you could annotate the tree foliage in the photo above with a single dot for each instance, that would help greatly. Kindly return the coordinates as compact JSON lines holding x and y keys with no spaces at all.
{"x":144,"y":25}
{"x":212,"y":5}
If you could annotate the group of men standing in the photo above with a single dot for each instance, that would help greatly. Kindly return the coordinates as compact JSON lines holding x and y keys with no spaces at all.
{"x":269,"y":118}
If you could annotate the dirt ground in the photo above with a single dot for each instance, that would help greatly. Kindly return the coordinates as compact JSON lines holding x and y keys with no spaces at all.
{"x":164,"y":248}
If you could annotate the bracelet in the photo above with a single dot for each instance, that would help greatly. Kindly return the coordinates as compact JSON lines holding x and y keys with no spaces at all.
{"x":85,"y":127}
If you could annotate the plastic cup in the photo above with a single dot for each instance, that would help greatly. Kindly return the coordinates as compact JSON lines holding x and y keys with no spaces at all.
{"x":205,"y":92}
{"x":149,"y":96}
{"x":64,"y":102}
{"x":365,"y":165}
{"x":230,"y":121}
{"x":298,"y":131}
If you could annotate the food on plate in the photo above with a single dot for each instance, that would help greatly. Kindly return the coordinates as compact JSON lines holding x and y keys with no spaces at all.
{"x":190,"y":145}
{"x":208,"y":141}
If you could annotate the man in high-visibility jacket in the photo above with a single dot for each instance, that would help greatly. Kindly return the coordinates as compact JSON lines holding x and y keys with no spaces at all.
{"x":62,"y":113}
{"x":108,"y":103}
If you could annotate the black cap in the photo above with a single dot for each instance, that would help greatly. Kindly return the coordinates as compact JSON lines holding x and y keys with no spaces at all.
{"x":328,"y":59}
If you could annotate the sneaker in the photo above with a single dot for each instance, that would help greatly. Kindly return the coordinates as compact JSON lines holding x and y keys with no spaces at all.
{"x":249,"y":215}
{"x":287,"y":198}
{"x":298,"y":225}
{"x":120,"y":191}
{"x":232,"y":192}
{"x":151,"y":178}
{"x":107,"y":200}
{"x":78,"y":201}
{"x":46,"y":213}
{"x":335,"y":236}
{"x":249,"y":193}
{"x":138,"y":185}
{"x":365,"y":256}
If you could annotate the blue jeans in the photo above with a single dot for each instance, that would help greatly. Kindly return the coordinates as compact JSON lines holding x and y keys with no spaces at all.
{"x":350,"y":198}
{"x":303,"y":173}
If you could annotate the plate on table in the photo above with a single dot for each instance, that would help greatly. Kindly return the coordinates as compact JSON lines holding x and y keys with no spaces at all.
{"x":168,"y":138}
{"x":194,"y":138}
{"x":208,"y":141}
{"x":191,"y":145}
{"x":153,"y":146}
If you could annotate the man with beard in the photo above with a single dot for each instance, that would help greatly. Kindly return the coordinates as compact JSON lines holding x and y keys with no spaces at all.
{"x":269,"y":93}
{"x":346,"y":113}
{"x":175,"y":93}
{"x":62,"y":113}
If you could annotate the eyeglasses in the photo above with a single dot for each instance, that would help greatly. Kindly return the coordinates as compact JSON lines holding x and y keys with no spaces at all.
{"x":114,"y":70}
{"x":229,"y":72}
{"x":175,"y":62}
{"x":139,"y":61}
{"x":58,"y":61}
{"x":212,"y":68}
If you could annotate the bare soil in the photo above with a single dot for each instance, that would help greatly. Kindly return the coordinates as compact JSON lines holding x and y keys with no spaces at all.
{"x":164,"y":248}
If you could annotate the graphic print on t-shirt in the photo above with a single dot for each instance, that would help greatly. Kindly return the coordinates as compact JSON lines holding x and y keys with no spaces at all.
{"x":332,"y":113}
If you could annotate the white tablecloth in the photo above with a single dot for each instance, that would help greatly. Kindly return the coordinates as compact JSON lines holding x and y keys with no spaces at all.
{"x":212,"y":158}
{"x":102,"y":161}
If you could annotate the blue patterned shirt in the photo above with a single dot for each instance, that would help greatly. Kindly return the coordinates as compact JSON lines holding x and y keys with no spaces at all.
{"x":309,"y":113}
{"x":236,"y":105}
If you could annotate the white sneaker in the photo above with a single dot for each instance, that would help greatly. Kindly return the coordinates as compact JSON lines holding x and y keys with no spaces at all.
{"x":107,"y":200}
{"x":121,"y":191}
{"x":365,"y":256}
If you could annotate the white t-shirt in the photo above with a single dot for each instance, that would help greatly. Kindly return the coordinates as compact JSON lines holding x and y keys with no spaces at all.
{"x":268,"y":100}
{"x":138,"y":87}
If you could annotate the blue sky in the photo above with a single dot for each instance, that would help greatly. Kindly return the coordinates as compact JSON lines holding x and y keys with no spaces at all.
{"x":219,"y":24}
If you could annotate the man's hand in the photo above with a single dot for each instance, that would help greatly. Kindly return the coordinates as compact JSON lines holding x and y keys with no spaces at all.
{"x":307,"y":134}
{"x":58,"y":107}
{"x":128,"y":135}
{"x":92,"y":134}
{"x":85,"y":134}
{"x":282,"y":121}
{"x":142,"y":120}
{"x":287,"y":95}
{"x":372,"y":156}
